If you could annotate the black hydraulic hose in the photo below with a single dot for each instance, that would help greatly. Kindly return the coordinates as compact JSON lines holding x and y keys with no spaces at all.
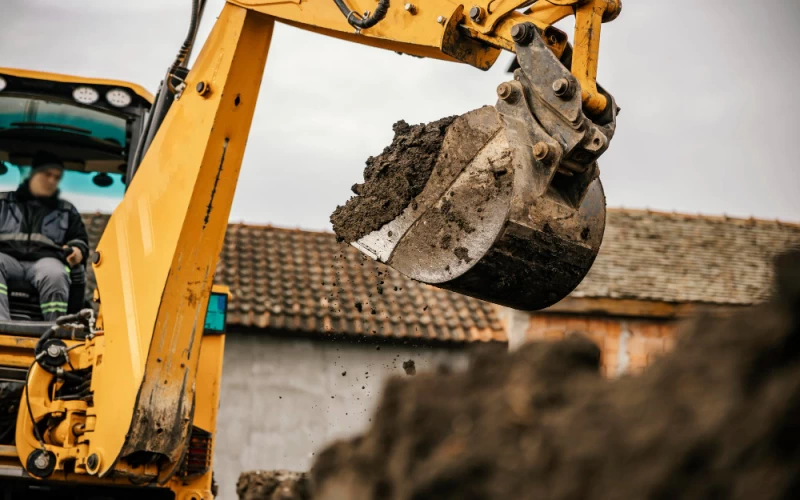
{"x":36,"y":432}
{"x":363,"y":23}
{"x":45,"y":336}
{"x":61,"y":373}
{"x":182,"y":59}
{"x":183,"y":53}
{"x":81,"y":317}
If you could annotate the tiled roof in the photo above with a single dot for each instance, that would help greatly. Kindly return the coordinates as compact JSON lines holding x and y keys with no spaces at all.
{"x":686,"y":258}
{"x":304,"y":281}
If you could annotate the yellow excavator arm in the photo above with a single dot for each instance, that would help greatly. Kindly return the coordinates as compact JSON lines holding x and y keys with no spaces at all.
{"x":156,"y":261}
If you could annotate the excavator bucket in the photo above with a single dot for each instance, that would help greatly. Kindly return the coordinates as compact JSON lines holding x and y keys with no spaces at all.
{"x":513,"y":211}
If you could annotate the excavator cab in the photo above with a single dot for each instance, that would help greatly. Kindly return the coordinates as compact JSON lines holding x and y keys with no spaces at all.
{"x":93,"y":125}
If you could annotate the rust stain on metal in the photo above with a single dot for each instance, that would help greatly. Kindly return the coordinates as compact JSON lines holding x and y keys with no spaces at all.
{"x":216,"y":182}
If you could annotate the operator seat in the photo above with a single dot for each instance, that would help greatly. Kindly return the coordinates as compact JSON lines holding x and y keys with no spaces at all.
{"x":23,"y":298}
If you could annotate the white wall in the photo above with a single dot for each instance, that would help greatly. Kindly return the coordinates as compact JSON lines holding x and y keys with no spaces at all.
{"x":283,"y":399}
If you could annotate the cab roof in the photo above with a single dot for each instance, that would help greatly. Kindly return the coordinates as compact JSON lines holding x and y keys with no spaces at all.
{"x":57,"y":77}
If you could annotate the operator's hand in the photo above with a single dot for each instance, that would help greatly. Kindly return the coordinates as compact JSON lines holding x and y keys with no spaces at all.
{"x":76,"y":257}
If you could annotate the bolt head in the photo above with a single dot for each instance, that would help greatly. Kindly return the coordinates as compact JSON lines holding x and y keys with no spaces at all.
{"x":93,"y":461}
{"x":505,"y":91}
{"x":475,"y":13}
{"x":541,"y":151}
{"x":95,"y":257}
{"x":200,"y":87}
{"x":410,"y":8}
{"x":613,"y":9}
{"x":521,"y":33}
{"x":440,"y":19}
{"x":499,"y":171}
{"x":53,"y":351}
{"x":42,"y":461}
{"x":561,"y":88}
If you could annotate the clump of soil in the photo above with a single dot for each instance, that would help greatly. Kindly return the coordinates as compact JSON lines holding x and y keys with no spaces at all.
{"x":391,"y":179}
{"x":410,"y":367}
{"x":463,"y":254}
{"x":718,"y":418}
{"x":273,"y":485}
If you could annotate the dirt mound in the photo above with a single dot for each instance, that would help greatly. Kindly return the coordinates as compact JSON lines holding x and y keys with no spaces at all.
{"x":391,"y":179}
{"x":273,"y":485}
{"x":719,"y":418}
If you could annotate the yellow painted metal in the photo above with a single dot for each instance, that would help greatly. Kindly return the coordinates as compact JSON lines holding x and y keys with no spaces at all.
{"x":37,"y":398}
{"x":17,"y":351}
{"x":209,"y":378}
{"x":154,"y":297}
{"x":432,"y":29}
{"x":547,"y":13}
{"x":38,"y":393}
{"x":57,"y":77}
{"x":541,"y":13}
{"x":501,"y":35}
{"x":588,"y":19}
{"x":418,"y":33}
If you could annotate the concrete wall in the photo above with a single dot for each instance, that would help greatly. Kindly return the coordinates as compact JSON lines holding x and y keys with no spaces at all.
{"x":285,"y":398}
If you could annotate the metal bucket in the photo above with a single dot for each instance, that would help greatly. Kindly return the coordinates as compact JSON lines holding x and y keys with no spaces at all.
{"x":479,"y":227}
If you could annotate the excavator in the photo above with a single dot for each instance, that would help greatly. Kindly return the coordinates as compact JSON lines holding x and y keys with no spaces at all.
{"x":118,"y":398}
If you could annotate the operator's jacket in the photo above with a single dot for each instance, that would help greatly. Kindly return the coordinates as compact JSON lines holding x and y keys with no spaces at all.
{"x":32,"y":228}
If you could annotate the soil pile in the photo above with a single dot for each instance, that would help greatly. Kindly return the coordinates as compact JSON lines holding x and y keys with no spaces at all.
{"x":273,"y":485}
{"x":718,"y":418}
{"x":391,"y":179}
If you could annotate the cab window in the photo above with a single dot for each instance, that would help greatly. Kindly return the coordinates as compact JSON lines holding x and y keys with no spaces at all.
{"x":39,"y":114}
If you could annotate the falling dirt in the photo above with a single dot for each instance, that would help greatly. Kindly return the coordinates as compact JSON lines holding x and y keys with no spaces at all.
{"x":391,"y":179}
{"x":410,"y":367}
{"x":718,"y":418}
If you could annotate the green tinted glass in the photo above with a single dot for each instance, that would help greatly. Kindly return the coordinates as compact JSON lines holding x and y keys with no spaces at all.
{"x":215,"y":315}
{"x":75,"y":187}
{"x":23,"y":112}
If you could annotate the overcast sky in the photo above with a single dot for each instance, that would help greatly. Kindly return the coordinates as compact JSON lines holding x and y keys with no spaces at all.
{"x":708,"y":91}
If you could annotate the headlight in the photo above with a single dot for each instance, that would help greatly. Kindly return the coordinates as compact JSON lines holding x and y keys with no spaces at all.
{"x":2,"y":83}
{"x":118,"y":98}
{"x":85,"y":95}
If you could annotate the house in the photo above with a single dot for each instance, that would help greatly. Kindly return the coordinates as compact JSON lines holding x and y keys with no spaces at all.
{"x":314,"y":329}
{"x":653,"y":269}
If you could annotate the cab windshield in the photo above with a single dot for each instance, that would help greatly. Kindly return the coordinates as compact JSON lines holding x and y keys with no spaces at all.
{"x":92,"y":142}
{"x":18,"y":112}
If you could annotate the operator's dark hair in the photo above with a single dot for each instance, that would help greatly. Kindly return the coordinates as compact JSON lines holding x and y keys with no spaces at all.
{"x":45,"y":159}
{"x":41,"y":158}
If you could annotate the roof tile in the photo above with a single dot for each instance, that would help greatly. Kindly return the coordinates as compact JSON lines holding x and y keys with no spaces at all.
{"x":673,"y":257}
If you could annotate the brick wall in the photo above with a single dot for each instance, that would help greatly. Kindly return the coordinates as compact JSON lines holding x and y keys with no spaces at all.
{"x":626,"y":345}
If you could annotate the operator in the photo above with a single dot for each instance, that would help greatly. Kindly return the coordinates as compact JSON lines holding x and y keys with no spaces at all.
{"x":41,"y":237}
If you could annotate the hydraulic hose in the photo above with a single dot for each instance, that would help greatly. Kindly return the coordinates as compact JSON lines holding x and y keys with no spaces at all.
{"x":183,"y":54}
{"x":363,"y":23}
